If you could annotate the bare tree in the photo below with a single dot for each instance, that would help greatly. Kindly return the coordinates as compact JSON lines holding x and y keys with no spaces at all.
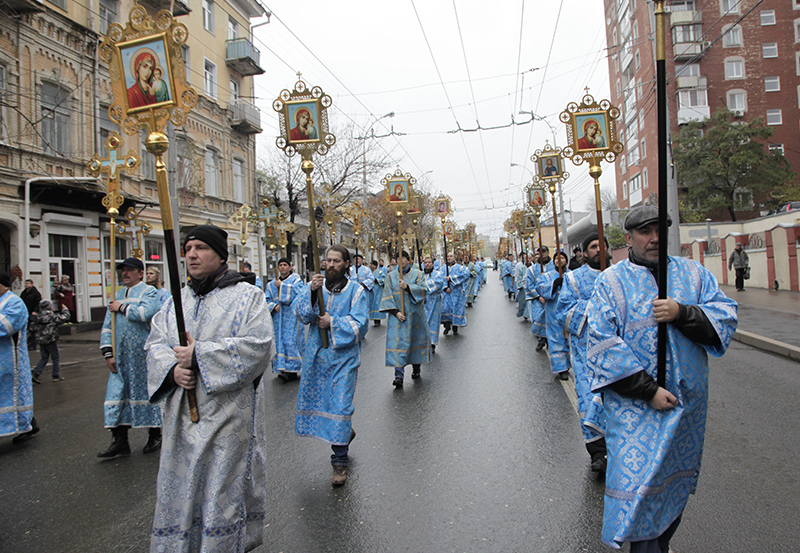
{"x":608,"y":199}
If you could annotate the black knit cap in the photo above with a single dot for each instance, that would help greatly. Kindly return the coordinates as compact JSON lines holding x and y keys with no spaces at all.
{"x":591,"y":238}
{"x":5,"y":279}
{"x":212,"y":235}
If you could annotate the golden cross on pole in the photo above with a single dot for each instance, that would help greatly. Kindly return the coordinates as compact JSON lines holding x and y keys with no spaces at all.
{"x":136,"y":230}
{"x":241,"y":217}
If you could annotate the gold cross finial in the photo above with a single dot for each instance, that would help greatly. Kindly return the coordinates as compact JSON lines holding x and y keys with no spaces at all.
{"x":136,"y":231}
{"x":241,"y":217}
{"x":586,"y":88}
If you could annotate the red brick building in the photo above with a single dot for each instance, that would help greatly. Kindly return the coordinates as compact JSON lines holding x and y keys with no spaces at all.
{"x":733,"y":53}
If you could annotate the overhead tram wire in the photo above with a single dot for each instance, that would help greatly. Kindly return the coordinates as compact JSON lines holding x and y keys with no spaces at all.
{"x":447,"y":96}
{"x":517,"y":90}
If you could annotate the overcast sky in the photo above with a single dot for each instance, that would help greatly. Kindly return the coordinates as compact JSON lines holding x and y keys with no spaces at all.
{"x":441,"y":65}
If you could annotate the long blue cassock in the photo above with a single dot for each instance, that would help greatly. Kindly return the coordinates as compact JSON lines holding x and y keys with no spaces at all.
{"x":523,"y":305}
{"x":454,"y":303}
{"x":211,"y":494}
{"x":290,"y":339}
{"x":538,"y":322}
{"x":435,"y":283}
{"x":325,"y":399}
{"x":557,"y":344}
{"x":16,"y":391}
{"x":163,"y":295}
{"x":653,"y":456}
{"x":406,"y":342}
{"x":473,"y":277}
{"x":365,"y":279}
{"x":571,"y":314}
{"x":507,"y":274}
{"x":127,"y":401}
{"x":377,"y":293}
{"x":484,"y":271}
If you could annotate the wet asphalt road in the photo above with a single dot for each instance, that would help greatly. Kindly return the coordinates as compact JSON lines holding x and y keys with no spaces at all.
{"x":482,"y":454}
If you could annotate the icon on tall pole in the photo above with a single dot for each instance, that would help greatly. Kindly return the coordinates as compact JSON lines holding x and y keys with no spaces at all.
{"x":398,"y":192}
{"x":303,"y":120}
{"x":592,"y":136}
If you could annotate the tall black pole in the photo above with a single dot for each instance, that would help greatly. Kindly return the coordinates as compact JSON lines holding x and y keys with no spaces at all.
{"x":661,"y":87}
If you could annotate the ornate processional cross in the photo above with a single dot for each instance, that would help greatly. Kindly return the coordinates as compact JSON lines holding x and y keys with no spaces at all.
{"x":136,"y":230}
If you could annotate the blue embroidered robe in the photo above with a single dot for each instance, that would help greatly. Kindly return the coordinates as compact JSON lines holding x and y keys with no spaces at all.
{"x":16,"y":392}
{"x":571,"y":314}
{"x":454,"y":303}
{"x":163,"y":295}
{"x":538,"y":322}
{"x":127,"y":401}
{"x":507,"y":274}
{"x":523,"y":305}
{"x":473,"y":277}
{"x":211,"y":480}
{"x":407,"y":342}
{"x":325,"y":399}
{"x":435,"y":284}
{"x":377,"y":294}
{"x":557,"y":344}
{"x":290,"y":338}
{"x":653,"y":456}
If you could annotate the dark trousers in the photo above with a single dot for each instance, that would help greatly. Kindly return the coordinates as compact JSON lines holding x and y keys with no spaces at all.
{"x":740,"y":279}
{"x":47,"y":351}
{"x":659,"y":544}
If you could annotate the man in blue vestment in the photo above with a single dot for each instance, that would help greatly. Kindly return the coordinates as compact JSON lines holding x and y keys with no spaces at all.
{"x":290,"y":341}
{"x":548,"y":287}
{"x":126,"y":403}
{"x":571,"y":313}
{"x":523,"y":306}
{"x":654,"y":434}
{"x":435,"y":282}
{"x":325,"y":399}
{"x":507,"y":275}
{"x":455,"y":299}
{"x":16,"y":388}
{"x":407,"y":338}
{"x":379,"y":273}
{"x":472,"y":283}
{"x":363,"y":276}
{"x":538,"y":317}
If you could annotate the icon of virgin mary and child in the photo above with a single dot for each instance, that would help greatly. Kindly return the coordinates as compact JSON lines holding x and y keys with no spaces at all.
{"x":149,"y":87}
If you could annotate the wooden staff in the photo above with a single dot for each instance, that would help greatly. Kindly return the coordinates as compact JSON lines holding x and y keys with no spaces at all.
{"x":157,"y":143}
{"x":661,"y":88}
{"x":399,"y":255}
{"x":307,"y":168}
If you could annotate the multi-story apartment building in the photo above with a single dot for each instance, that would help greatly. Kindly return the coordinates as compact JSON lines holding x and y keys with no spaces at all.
{"x":54,"y":98}
{"x":743,"y":54}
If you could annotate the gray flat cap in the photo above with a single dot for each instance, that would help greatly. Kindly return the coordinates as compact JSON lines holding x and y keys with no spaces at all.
{"x":642,"y":216}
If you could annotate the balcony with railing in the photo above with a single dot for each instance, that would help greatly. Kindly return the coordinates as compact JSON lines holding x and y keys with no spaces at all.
{"x":245,"y":117}
{"x":241,"y":55}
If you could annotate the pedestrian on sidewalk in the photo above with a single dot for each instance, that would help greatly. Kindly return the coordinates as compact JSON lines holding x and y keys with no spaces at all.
{"x":126,"y":403}
{"x":407,"y":340}
{"x":31,"y":296}
{"x":16,"y":390}
{"x":654,"y":434}
{"x":211,"y":493}
{"x":738,"y":260}
{"x":325,"y":400}
{"x":45,"y":327}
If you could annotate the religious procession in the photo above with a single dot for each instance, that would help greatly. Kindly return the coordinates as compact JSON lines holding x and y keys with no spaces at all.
{"x":205,"y":301}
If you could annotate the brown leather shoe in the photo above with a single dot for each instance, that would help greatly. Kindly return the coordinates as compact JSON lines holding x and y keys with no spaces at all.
{"x":339,"y":475}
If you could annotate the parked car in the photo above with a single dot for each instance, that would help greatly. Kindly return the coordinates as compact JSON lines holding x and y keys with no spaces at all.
{"x":789,"y":206}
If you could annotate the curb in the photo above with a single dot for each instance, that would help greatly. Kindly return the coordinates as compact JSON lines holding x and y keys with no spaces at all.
{"x":768,"y":344}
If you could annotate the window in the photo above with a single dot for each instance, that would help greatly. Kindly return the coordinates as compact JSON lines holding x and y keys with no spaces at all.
{"x":121,"y":250}
{"x":210,"y":79}
{"x":642,"y":149}
{"x":55,"y":119}
{"x":624,"y":190}
{"x":108,"y":14}
{"x":60,"y":3}
{"x":148,"y":161}
{"x":645,"y":181}
{"x":234,"y":90}
{"x":2,"y":102}
{"x":641,"y":120}
{"x":211,"y":172}
{"x":618,"y":87}
{"x":622,"y":165}
{"x":692,"y":98}
{"x":208,"y":15}
{"x":734,"y":68}
{"x":776,"y":148}
{"x":772,"y":84}
{"x":737,"y":101}
{"x":796,"y":4}
{"x":615,"y":58}
{"x":732,"y":36}
{"x":614,"y":38}
{"x":681,"y":6}
{"x":635,"y":184}
{"x":637,"y":62}
{"x":688,"y":70}
{"x":233,"y":29}
{"x":238,"y":180}
{"x":730,"y":7}
{"x":635,"y":30}
{"x":769,"y":49}
{"x":797,"y":30}
{"x":64,"y":246}
{"x":768,"y":17}
{"x":685,"y":33}
{"x":774,"y":117}
{"x":106,"y":128}
{"x":187,"y":63}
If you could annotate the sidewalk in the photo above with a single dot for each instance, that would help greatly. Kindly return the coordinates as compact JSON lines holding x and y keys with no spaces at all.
{"x":768,"y":320}
{"x":90,"y":337}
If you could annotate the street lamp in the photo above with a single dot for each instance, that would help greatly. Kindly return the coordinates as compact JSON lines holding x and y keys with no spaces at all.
{"x":535,"y":117}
